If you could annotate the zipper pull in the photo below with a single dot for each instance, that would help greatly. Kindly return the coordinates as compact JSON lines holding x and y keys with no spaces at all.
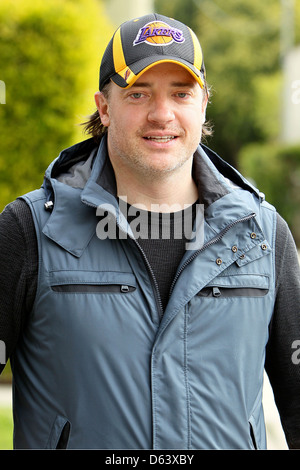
{"x":125,"y":289}
{"x":216,"y":292}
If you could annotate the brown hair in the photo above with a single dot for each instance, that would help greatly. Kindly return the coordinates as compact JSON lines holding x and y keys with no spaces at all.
{"x":94,"y":127}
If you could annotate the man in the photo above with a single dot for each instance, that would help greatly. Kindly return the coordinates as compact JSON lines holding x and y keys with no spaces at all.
{"x":121,"y":337}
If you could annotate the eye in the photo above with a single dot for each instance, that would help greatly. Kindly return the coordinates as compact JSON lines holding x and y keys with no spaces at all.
{"x":182,"y":95}
{"x":136,"y":96}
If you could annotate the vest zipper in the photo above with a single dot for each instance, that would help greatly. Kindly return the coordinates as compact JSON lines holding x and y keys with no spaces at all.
{"x":208,"y":244}
{"x":216,"y":292}
{"x":158,"y":301}
{"x":150,"y":270}
{"x":92,"y":288}
{"x":232,"y":292}
{"x":153,"y":279}
{"x":155,"y":288}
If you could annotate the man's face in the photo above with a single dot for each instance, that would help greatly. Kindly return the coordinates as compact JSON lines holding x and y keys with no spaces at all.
{"x":154,"y":127}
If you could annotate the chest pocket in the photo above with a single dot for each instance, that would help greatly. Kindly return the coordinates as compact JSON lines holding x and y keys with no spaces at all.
{"x":92,"y":282}
{"x":247,"y":285}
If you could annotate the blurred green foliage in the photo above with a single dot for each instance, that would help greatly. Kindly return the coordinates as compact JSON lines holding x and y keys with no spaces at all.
{"x":50,"y":53}
{"x":276,"y":169}
{"x":242,"y":43}
{"x":6,"y":428}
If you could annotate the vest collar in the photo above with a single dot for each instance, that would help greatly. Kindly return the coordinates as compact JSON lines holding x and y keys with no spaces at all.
{"x":73,"y":220}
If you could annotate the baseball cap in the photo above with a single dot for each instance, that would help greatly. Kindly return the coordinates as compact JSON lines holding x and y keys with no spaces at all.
{"x":143,"y":42}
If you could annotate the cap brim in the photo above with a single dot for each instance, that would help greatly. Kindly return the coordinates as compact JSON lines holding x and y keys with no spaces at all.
{"x":130,"y":74}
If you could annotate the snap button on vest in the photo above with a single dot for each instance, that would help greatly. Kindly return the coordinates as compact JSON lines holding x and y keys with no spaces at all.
{"x":48,"y":205}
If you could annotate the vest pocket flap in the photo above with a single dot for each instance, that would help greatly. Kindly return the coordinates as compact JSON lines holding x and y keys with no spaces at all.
{"x":91,"y":281}
{"x":248,"y":285}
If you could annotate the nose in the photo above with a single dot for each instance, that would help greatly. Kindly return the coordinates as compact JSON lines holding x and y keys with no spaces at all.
{"x":161,"y":110}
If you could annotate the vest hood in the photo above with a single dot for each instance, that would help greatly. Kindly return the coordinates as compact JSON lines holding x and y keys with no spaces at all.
{"x":85,"y":171}
{"x":74,"y":167}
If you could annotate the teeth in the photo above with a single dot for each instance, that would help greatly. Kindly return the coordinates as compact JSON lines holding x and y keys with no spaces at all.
{"x":163,"y":139}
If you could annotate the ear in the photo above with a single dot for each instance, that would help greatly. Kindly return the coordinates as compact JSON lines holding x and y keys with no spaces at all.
{"x":103,"y":107}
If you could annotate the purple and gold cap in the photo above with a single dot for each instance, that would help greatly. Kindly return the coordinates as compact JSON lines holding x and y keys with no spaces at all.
{"x":143,"y":42}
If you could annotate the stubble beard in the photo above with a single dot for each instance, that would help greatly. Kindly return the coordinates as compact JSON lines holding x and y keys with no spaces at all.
{"x":139,"y":161}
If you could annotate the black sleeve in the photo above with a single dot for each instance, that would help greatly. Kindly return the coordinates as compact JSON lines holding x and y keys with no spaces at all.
{"x":282,"y":368}
{"x":18,"y":271}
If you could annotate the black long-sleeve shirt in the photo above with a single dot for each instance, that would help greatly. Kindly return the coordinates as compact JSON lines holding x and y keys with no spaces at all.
{"x":18,"y":282}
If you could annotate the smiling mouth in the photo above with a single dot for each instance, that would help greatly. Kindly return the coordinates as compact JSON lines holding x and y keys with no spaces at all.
{"x":161,"y":139}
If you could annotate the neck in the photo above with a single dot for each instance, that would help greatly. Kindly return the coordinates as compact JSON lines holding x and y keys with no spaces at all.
{"x":168,"y":194}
